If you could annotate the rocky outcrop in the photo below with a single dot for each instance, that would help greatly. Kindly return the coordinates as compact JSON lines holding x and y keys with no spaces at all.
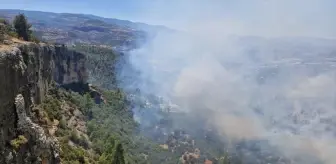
{"x":97,"y":95}
{"x":27,"y":72}
{"x":43,"y":147}
{"x":190,"y":157}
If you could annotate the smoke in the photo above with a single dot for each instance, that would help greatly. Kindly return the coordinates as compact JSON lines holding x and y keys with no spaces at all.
{"x":257,"y":17}
{"x":274,"y":86}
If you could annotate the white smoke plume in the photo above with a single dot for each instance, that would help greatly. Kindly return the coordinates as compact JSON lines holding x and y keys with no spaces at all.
{"x":274,"y":86}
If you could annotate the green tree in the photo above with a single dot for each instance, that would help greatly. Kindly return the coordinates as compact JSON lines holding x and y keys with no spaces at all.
{"x":22,"y":27}
{"x":118,"y":157}
{"x":2,"y":33}
{"x":114,"y":154}
{"x":88,"y":104}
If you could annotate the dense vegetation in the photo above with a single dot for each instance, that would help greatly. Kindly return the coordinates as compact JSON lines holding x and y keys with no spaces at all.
{"x":113,"y":121}
{"x":101,"y":64}
{"x":77,"y":146}
{"x":167,"y":138}
{"x":111,"y":137}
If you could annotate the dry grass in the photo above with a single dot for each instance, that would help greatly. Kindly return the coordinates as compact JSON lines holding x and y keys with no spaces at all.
{"x":6,"y":47}
{"x":16,"y":40}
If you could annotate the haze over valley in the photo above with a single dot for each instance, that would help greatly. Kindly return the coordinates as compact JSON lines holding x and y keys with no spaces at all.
{"x":217,"y":82}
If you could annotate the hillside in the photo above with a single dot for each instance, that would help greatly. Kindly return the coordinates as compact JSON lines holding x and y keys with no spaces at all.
{"x":70,"y":120}
{"x":80,"y":28}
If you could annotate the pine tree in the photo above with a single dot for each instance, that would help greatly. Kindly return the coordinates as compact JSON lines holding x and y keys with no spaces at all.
{"x":118,"y":157}
{"x":108,"y":156}
{"x":22,"y":27}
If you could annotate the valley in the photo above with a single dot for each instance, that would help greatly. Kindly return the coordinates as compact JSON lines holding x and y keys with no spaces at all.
{"x":98,"y":90}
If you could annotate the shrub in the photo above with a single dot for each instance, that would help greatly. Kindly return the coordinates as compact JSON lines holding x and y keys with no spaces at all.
{"x":16,"y":143}
{"x":63,"y":124}
{"x":71,"y":154}
{"x":79,"y":139}
{"x":4,"y":21}
{"x":5,"y":26}
{"x":74,"y":136}
{"x":64,"y":133}
{"x":52,"y":108}
{"x":12,"y":34}
{"x":34,"y":39}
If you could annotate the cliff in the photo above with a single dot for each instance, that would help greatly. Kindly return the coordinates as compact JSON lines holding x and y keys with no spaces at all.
{"x":27,"y":71}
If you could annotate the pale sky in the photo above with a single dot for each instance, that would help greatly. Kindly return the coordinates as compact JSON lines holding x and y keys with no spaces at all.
{"x":281,"y":17}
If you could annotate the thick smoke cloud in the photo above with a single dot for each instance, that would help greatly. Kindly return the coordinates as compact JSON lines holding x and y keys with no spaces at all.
{"x":279,"y":89}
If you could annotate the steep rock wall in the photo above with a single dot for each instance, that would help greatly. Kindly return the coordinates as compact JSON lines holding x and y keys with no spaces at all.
{"x":27,"y":71}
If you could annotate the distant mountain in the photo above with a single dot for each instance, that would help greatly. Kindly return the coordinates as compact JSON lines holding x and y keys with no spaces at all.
{"x":82,"y":28}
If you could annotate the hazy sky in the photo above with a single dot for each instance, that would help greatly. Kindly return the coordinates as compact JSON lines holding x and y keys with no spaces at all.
{"x":315,"y":17}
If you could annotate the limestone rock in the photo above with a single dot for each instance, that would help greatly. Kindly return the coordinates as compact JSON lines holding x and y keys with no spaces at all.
{"x":27,"y":72}
{"x":7,"y":42}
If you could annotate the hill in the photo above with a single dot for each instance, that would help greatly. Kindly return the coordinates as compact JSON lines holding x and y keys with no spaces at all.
{"x":68,"y":28}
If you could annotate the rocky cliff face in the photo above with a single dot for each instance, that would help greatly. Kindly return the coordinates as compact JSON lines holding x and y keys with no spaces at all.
{"x":27,"y":71}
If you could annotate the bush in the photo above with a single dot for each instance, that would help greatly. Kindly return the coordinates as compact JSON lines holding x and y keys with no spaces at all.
{"x":79,"y":139}
{"x":4,"y":21}
{"x":12,"y":34}
{"x":34,"y":39}
{"x":72,"y":155}
{"x":63,"y":133}
{"x":74,"y":136}
{"x":5,"y":26}
{"x":84,"y":102}
{"x":53,"y":108}
{"x":63,"y":123}
{"x":16,"y":143}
